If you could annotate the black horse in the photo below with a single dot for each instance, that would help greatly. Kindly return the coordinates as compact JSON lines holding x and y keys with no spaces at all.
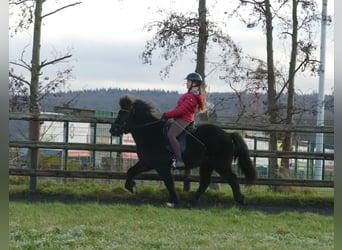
{"x":208,"y":147}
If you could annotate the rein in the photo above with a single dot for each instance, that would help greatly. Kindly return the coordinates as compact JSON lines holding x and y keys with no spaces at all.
{"x":146,"y":124}
{"x":141,"y":125}
{"x":157,"y":121}
{"x":194,"y":137}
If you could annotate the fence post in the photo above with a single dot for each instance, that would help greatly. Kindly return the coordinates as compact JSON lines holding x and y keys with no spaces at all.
{"x":93,"y":140}
{"x":66,"y":140}
{"x":187,"y":185}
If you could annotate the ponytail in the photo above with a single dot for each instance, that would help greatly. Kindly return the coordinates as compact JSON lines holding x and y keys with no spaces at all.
{"x":203,"y":105}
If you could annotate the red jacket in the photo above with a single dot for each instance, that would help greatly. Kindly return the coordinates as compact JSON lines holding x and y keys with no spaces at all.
{"x":186,"y":107}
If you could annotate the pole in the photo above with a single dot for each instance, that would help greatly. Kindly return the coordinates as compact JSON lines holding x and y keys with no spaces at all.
{"x":320,"y":98}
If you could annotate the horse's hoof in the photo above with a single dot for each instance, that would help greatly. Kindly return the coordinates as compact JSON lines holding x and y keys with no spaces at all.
{"x":242,"y":202}
{"x":169,"y":204}
{"x":131,"y":187}
{"x":189,"y":205}
{"x":193,"y":203}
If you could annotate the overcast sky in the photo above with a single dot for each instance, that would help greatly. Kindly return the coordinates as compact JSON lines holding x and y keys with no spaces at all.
{"x":106,"y":38}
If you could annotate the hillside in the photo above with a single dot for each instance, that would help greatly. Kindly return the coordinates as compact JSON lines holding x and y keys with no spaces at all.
{"x":107,"y":99}
{"x":225,"y":105}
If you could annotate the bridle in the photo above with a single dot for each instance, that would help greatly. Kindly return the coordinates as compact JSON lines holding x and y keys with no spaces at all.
{"x":123,"y":127}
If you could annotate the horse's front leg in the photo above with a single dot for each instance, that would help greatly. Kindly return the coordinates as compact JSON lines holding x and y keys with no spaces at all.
{"x":131,"y":173}
{"x":165,"y":174}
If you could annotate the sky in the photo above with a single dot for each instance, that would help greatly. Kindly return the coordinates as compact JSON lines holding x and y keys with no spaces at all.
{"x":106,"y":39}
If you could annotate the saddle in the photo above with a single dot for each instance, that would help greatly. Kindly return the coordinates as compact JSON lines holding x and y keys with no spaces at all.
{"x":181,"y":137}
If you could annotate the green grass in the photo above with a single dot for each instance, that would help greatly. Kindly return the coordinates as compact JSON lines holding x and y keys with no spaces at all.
{"x":99,"y":226}
{"x":50,"y":223}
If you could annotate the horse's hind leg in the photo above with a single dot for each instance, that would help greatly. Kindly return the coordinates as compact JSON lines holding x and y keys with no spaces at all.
{"x":205,"y":175}
{"x":133,"y":171}
{"x":234,"y":184}
{"x":233,"y":181}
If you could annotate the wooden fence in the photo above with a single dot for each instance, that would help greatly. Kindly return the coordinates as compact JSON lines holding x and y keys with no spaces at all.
{"x":34,"y":172}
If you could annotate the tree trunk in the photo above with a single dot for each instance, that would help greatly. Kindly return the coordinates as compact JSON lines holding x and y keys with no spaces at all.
{"x":201,"y":54}
{"x":202,"y":48}
{"x":34,"y":88}
{"x":202,"y":39}
{"x":271,"y":90}
{"x":287,"y":143}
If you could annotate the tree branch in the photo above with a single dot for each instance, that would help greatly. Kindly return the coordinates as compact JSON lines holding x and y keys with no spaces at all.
{"x":24,"y":65}
{"x":18,"y":3}
{"x":43,"y":64}
{"x":19,"y":78}
{"x":64,"y":7}
{"x":281,"y":91}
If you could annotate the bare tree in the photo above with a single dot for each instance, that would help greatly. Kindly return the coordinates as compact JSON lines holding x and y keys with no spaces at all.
{"x":32,"y":91}
{"x":32,"y":13}
{"x":181,"y":33}
{"x":299,"y":27}
{"x":271,"y":88}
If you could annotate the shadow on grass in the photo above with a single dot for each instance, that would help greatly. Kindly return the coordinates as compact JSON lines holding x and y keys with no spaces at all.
{"x":276,"y":206}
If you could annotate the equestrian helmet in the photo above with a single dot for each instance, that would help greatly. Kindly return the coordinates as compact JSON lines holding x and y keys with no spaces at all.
{"x":194,"y":77}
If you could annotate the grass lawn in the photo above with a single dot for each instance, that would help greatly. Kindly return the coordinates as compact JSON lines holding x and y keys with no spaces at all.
{"x":88,"y":223}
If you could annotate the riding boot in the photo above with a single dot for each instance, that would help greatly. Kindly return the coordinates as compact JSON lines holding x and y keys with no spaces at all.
{"x":179,"y":162}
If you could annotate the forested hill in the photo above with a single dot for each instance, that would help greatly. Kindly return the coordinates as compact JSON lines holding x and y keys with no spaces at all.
{"x":226,"y":105}
{"x":107,"y":99}
{"x":223,"y":103}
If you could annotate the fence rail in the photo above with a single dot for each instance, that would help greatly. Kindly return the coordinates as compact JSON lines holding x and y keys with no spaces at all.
{"x":226,"y":125}
{"x":132,"y":148}
{"x":34,"y":172}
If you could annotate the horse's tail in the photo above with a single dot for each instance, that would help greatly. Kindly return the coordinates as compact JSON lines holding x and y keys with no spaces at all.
{"x":244,"y":161}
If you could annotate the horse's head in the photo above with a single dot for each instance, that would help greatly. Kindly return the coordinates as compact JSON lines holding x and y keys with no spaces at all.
{"x":120,"y":125}
{"x":133,"y":114}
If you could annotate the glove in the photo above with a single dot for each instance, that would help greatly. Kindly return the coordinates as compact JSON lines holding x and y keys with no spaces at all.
{"x":163,"y":117}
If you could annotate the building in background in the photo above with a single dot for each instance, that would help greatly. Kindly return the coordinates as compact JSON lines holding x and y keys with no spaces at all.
{"x":78,"y":132}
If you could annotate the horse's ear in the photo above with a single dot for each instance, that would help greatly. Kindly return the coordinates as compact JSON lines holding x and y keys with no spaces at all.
{"x":126,"y":102}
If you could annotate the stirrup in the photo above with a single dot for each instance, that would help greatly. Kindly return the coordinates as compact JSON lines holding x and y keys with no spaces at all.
{"x":173,"y":163}
{"x":177,"y":163}
{"x":180,"y":164}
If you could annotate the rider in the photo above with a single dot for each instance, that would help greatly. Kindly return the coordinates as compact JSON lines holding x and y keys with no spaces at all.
{"x":188,"y":104}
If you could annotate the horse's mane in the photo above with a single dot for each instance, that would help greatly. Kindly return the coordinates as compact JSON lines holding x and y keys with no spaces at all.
{"x":141,"y":107}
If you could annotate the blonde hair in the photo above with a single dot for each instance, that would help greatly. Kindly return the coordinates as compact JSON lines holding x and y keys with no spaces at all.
{"x":203,"y":105}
